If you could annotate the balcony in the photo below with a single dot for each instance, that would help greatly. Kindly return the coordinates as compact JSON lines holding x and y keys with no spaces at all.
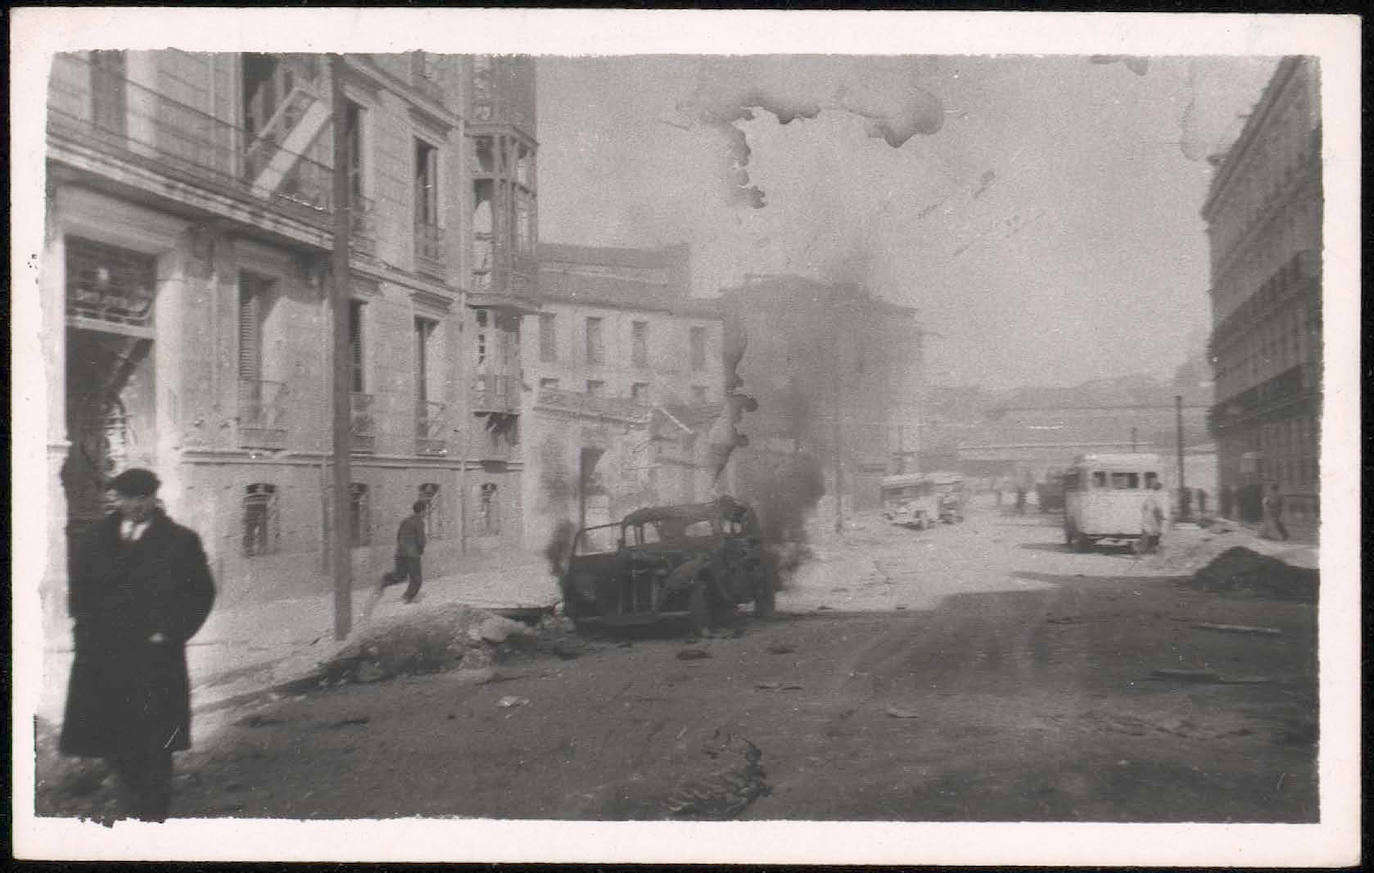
{"x":591,"y":405}
{"x":262,"y":414}
{"x":431,"y":425}
{"x":362,"y":425}
{"x":495,"y":393}
{"x":151,"y":133}
{"x":429,"y":249}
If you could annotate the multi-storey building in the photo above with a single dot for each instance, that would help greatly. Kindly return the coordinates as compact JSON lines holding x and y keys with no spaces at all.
{"x":186,"y":298}
{"x":836,"y":372}
{"x":627,"y":370}
{"x":1264,"y":220}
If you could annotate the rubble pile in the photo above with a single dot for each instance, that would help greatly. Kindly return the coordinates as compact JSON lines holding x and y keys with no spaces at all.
{"x":444,"y":637}
{"x":1243,"y":570}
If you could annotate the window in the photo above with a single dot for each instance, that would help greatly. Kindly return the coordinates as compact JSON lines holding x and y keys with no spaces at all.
{"x":698,"y":344}
{"x":596,"y":387}
{"x":548,"y":382}
{"x":109,"y":284}
{"x":639,"y":343}
{"x":254,"y":300}
{"x":359,"y":515}
{"x":1125,"y":481}
{"x":698,"y":393}
{"x":260,"y":528}
{"x":108,"y":87}
{"x":426,"y":184}
{"x":548,"y":338}
{"x":483,"y":322}
{"x":436,"y":527}
{"x":1099,"y":479}
{"x":488,"y":509}
{"x":596,"y":351}
{"x":424,"y":358}
{"x":1151,"y":479}
{"x":639,"y":392}
{"x":355,"y":346}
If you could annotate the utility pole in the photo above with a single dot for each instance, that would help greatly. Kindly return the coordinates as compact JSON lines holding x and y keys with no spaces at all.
{"x":835,"y":405}
{"x":1178,"y":437}
{"x":341,"y":563}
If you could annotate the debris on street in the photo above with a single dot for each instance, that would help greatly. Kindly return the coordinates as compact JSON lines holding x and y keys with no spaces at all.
{"x":1239,"y":569}
{"x":512,"y":700}
{"x":692,"y":654}
{"x":724,"y":792}
{"x":902,"y":712}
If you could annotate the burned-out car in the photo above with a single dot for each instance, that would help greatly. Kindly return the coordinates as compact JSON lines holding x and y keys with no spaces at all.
{"x":693,"y":561}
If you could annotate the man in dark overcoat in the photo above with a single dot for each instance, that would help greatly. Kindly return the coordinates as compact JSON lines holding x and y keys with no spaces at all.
{"x":139,"y":587}
{"x":410,"y":548}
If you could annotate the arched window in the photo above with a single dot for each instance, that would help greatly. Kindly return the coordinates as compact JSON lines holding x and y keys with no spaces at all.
{"x":436,"y":526}
{"x":260,"y":519}
{"x":488,"y":509}
{"x":359,"y":515}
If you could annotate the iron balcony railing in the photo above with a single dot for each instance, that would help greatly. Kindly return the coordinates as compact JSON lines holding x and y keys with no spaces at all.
{"x":181,"y":142}
{"x":1296,"y":384}
{"x":362,"y":425}
{"x":431,"y":425}
{"x":1299,"y":273}
{"x":429,"y":248}
{"x":495,"y":392}
{"x":262,"y":414}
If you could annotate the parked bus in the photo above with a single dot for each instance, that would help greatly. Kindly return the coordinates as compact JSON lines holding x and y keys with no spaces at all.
{"x":1103,"y":495}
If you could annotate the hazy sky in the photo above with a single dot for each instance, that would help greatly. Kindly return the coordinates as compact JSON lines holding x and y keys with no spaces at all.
{"x":1041,"y":213}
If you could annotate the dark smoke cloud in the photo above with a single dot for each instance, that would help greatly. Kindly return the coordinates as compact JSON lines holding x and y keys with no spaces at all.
{"x":731,"y":91}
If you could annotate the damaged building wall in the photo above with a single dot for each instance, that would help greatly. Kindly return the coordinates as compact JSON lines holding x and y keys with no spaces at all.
{"x":625,"y":369}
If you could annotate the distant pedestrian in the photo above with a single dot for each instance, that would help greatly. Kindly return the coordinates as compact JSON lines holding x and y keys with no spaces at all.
{"x":1153,"y":514}
{"x":1272,"y":511}
{"x":139,"y":587}
{"x":410,"y":545}
{"x":1020,"y":499}
{"x":1202,"y":502}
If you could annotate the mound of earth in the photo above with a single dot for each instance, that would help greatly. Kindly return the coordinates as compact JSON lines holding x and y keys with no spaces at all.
{"x":441,"y":637}
{"x":1240,"y":569}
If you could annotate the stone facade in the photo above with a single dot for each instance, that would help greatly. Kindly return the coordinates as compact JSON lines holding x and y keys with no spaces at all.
{"x":626,"y":370}
{"x":186,"y":297}
{"x":1264,"y":219}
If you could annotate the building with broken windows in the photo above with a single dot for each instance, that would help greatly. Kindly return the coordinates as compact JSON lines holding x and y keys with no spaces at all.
{"x":185,"y":280}
{"x":837,"y":374}
{"x":626,"y":369}
{"x":1264,"y":222}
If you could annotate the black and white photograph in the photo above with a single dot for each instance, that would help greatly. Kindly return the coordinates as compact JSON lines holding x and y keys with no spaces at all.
{"x":701,"y":437}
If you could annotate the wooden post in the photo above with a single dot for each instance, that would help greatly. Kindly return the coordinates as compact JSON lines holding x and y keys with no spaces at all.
{"x":341,"y":563}
{"x":1183,"y":503}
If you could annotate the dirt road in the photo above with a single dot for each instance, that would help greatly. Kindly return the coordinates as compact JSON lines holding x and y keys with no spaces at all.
{"x":978,"y":672}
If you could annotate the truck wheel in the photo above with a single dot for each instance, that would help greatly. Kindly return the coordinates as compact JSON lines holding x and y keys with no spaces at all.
{"x":698,"y":610}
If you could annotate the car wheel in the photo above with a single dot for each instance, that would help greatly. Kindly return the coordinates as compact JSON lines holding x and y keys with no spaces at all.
{"x":699,"y":610}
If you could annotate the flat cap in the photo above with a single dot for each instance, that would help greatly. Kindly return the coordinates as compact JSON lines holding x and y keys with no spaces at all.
{"x":135,"y":482}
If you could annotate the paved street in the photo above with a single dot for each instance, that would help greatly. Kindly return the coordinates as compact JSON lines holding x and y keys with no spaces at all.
{"x":971,"y":672}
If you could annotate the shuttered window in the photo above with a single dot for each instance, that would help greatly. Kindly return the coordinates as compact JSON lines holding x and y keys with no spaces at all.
{"x":108,"y":89}
{"x":252,"y":303}
{"x":359,"y":515}
{"x":436,"y":526}
{"x":353,"y":144}
{"x":424,"y":352}
{"x":426,"y":181}
{"x":355,"y":346}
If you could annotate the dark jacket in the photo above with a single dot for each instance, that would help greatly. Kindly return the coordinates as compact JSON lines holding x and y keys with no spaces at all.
{"x":410,"y":537}
{"x":126,"y":691}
